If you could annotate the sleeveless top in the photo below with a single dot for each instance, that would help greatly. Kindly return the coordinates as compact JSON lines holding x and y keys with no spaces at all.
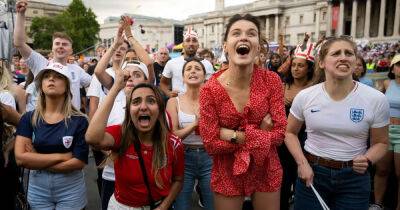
{"x":393,"y":96}
{"x":184,"y":119}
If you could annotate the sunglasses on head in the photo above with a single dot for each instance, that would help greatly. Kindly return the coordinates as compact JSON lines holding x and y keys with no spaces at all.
{"x":193,"y":58}
{"x":133,"y":62}
{"x":339,"y":37}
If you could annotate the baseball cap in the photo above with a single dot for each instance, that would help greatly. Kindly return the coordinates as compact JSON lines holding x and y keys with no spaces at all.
{"x":138,"y":64}
{"x":57,"y":67}
{"x":395,"y":60}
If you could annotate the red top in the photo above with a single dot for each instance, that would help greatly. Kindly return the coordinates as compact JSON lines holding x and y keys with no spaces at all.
{"x":253,"y":166}
{"x":130,"y":189}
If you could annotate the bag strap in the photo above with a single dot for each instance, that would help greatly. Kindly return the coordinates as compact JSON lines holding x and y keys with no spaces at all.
{"x":143,"y":168}
{"x":22,"y":176}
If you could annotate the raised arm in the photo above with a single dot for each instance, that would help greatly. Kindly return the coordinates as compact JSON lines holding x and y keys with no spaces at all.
{"x":19,"y":30}
{"x":140,"y":51}
{"x":100,"y":71}
{"x":95,"y":134}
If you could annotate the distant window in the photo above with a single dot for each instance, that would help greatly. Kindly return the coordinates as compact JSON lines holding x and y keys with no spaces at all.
{"x":287,"y":39}
{"x":315,"y":18}
{"x":300,"y":37}
{"x":287,"y":20}
{"x":313,"y":38}
{"x":301,"y":19}
{"x":202,"y":31}
{"x":323,"y":15}
{"x":35,"y":12}
{"x":212,"y":29}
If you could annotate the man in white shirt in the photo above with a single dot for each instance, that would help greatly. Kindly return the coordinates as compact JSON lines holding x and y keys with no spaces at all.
{"x":173,"y":69}
{"x":62,"y":48}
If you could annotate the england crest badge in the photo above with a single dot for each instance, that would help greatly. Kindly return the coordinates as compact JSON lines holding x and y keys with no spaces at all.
{"x":67,"y":141}
{"x":356,"y":115}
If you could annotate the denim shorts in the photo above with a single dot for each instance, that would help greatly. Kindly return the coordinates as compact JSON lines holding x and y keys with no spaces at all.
{"x":394,"y":138}
{"x":341,"y":189}
{"x":115,"y":205}
{"x":60,"y":191}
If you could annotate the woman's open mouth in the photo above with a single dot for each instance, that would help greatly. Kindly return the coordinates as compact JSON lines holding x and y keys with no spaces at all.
{"x":243,"y":49}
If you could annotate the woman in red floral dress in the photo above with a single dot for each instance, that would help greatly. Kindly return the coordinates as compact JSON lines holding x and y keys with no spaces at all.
{"x":235,"y":105}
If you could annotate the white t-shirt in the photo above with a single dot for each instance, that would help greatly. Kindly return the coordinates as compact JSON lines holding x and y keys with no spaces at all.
{"x":173,"y":71}
{"x":339,"y":129}
{"x":117,"y":113}
{"x":8,"y":99}
{"x":31,"y":98}
{"x":79,"y":78}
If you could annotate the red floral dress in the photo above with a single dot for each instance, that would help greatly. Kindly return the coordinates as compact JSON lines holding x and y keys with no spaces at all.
{"x":253,"y":166}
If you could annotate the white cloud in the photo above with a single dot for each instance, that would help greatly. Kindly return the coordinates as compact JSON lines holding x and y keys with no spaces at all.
{"x":174,"y":9}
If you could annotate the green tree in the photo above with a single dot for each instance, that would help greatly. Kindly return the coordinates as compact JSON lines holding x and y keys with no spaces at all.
{"x":77,"y":21}
{"x":41,"y":31}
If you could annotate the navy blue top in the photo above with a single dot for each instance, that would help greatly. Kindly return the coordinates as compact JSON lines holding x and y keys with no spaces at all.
{"x":58,"y":137}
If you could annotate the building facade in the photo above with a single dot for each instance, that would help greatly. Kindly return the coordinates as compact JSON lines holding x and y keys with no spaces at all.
{"x":151,"y":32}
{"x":40,"y":8}
{"x":373,"y":20}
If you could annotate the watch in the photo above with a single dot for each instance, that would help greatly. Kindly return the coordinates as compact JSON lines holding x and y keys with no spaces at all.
{"x":234,"y":137}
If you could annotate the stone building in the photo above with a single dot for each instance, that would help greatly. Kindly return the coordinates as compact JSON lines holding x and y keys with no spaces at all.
{"x":41,"y":8}
{"x":374,"y":20}
{"x":151,"y":32}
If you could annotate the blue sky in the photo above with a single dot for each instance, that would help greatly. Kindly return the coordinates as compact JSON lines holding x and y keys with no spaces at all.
{"x":175,"y":9}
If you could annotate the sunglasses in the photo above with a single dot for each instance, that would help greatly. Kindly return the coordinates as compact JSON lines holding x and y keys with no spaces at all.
{"x":339,"y":37}
{"x":133,"y":62}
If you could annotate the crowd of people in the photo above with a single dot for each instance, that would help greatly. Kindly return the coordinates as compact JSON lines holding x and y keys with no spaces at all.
{"x":302,"y":128}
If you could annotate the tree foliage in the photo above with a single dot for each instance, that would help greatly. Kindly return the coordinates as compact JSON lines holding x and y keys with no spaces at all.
{"x":77,"y":21}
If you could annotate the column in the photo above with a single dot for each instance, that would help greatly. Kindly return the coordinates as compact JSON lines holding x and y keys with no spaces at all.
{"x":367,"y":19}
{"x":329,"y":19}
{"x":276,"y":31}
{"x":354,"y":19}
{"x":396,"y":19}
{"x":267,"y":28}
{"x":382,"y":19}
{"x":317,"y":17}
{"x":341,"y":18}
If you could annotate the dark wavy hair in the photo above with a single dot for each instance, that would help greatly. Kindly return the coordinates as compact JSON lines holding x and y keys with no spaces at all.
{"x":238,"y":17}
{"x":390,"y":73}
{"x":195,"y":59}
{"x":364,"y":65}
{"x":160,"y":132}
{"x":310,"y":72}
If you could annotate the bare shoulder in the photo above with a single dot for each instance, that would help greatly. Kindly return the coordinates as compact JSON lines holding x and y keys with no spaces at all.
{"x":386,"y":83}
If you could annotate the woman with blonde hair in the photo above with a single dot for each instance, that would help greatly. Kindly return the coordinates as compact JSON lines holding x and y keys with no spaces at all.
{"x":11,"y":94}
{"x":50,"y":142}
